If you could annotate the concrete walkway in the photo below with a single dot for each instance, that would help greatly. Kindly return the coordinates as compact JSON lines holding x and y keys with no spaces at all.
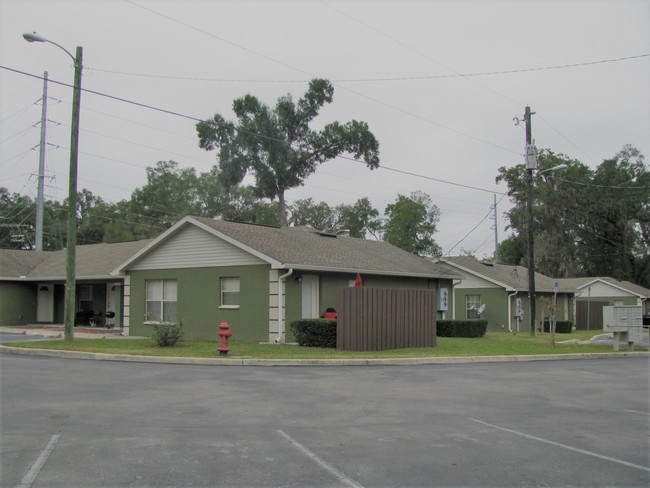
{"x":57,"y":331}
{"x":248,"y":361}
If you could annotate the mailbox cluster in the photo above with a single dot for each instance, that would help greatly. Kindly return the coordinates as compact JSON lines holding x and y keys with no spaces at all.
{"x":626,"y":324}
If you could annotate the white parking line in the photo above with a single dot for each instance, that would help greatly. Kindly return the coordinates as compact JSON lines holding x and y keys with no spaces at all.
{"x":564,"y":446}
{"x":323,"y":464}
{"x":637,"y":412}
{"x":36,"y":467}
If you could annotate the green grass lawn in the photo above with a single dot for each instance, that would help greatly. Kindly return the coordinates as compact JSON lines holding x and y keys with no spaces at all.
{"x":493,"y":344}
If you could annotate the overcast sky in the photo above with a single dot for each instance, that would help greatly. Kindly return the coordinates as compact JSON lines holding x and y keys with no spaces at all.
{"x":402,"y":66}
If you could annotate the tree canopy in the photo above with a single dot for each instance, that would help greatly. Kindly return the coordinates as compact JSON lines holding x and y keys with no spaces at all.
{"x":411,"y":224}
{"x":586,"y":222}
{"x":277,"y":145}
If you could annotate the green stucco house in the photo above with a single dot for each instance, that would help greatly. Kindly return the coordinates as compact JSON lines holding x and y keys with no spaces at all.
{"x":258,"y":278}
{"x":498,"y":293}
{"x":592,"y":294}
{"x":32,"y":284}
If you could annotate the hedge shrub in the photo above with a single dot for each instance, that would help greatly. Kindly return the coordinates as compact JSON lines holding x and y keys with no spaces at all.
{"x":561,"y":326}
{"x":167,"y":334}
{"x":461,"y":328}
{"x":315,"y":332}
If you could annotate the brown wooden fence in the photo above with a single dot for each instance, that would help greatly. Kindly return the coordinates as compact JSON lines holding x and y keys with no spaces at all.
{"x":589,"y":314}
{"x":374,"y":319}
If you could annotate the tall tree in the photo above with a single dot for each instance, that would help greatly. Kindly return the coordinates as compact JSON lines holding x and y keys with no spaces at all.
{"x":277,"y":145}
{"x":512,"y":251}
{"x":240,"y":204}
{"x":319,"y":216}
{"x":618,"y":219}
{"x":411,"y":224}
{"x":556,"y":202}
{"x":586,"y":222}
{"x":17,"y":219}
{"x":93,"y":216}
{"x":170,"y":194}
{"x":360,"y":219}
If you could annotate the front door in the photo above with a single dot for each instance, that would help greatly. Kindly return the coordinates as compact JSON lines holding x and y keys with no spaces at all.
{"x":45,"y":303}
{"x":309,"y":296}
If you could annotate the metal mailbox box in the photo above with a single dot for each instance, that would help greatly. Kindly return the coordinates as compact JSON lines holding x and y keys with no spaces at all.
{"x":625,"y":322}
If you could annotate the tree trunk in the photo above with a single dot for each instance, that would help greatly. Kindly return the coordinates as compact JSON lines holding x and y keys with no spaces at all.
{"x":282,"y":206}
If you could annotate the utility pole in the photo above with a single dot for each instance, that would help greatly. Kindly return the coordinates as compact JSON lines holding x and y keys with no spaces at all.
{"x":531,"y":164}
{"x":69,"y":307}
{"x":40,"y":200}
{"x":496,"y":232}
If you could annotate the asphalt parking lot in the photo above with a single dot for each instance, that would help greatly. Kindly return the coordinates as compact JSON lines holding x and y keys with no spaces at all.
{"x":91,"y":424}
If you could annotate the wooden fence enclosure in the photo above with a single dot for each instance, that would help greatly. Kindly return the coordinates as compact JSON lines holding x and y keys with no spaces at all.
{"x":589,"y":314}
{"x":374,"y":319}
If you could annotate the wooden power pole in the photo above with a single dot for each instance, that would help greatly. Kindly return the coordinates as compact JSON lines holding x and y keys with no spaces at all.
{"x":531,"y":164}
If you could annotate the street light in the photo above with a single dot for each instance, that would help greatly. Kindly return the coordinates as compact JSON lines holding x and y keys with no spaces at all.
{"x":554,"y":168}
{"x":69,"y":304}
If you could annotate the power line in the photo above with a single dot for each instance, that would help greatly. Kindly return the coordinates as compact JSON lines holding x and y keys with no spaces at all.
{"x":177,"y":114}
{"x":489,"y":214}
{"x":359,"y":94}
{"x":367,"y":80}
{"x":106,"y":95}
{"x":609,"y":187}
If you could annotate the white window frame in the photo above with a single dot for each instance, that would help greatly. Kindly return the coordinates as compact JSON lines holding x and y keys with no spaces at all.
{"x":162,"y":300}
{"x":85,"y":296}
{"x":472,"y":301}
{"x":228,"y":287}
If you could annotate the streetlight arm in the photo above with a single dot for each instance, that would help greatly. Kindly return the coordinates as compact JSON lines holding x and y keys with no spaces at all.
{"x":554,"y":168}
{"x":34,"y":37}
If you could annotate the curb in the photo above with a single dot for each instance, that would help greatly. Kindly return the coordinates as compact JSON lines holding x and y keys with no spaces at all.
{"x":243,"y":361}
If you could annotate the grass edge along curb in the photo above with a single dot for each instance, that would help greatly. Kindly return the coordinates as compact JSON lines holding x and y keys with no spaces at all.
{"x":244,"y":361}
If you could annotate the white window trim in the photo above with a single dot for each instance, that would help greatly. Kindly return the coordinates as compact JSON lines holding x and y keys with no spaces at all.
{"x":162,"y":301}
{"x":467,"y":309}
{"x":221,"y":292}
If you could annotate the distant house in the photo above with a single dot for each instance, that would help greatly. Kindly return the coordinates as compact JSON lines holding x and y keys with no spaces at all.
{"x":595,"y":293}
{"x":32,"y":284}
{"x":257,"y":278}
{"x":498,"y":293}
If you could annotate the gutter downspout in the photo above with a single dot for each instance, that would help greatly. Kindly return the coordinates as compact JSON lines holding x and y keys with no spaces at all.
{"x":281,"y":288}
{"x":453,"y":297}
{"x":643,"y":300}
{"x":514,"y":293}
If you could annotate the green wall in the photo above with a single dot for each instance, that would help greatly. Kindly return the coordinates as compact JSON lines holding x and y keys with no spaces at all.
{"x":198,"y":299}
{"x":330,"y":283}
{"x":496,"y":307}
{"x":17,"y":303}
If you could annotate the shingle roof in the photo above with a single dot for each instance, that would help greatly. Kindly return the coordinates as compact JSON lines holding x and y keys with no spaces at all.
{"x":626,"y":285}
{"x":514,"y":277}
{"x":92,"y":261}
{"x":15,"y":263}
{"x":305,"y":248}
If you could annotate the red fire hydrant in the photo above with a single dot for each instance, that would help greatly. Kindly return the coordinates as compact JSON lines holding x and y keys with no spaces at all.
{"x":224,"y":333}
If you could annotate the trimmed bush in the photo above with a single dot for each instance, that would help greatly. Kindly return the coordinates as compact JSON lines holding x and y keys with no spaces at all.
{"x":461,"y":328}
{"x":315,"y":332}
{"x":561,"y":327}
{"x":167,"y":334}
